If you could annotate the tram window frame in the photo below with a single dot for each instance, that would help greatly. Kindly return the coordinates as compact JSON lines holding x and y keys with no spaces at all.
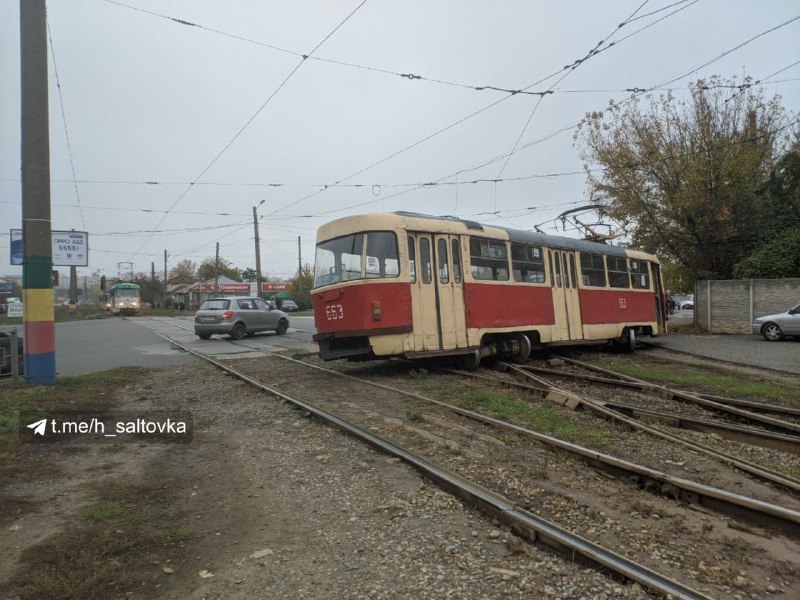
{"x":616,"y":278}
{"x":327,"y":271}
{"x":526,"y":266}
{"x":640,"y":279}
{"x":385,"y":255}
{"x":488,"y":259}
{"x":442,"y":264}
{"x":591,"y":270}
{"x":412,"y":260}
{"x":425,"y":259}
{"x":456,"y":254}
{"x":573,"y":271}
{"x":555,"y":257}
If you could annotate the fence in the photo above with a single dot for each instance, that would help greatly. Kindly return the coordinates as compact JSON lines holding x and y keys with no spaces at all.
{"x":730,"y":306}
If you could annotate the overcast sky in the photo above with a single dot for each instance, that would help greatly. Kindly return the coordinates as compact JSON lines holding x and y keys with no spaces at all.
{"x":148,"y":99}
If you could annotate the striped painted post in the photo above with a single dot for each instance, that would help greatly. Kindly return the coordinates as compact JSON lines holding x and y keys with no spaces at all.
{"x":40,"y":338}
{"x":37,"y":255}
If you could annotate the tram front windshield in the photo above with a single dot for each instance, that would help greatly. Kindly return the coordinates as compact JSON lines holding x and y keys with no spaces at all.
{"x":341,"y":259}
{"x":127,"y":294}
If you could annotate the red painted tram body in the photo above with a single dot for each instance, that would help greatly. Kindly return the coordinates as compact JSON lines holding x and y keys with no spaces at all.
{"x":403,"y":284}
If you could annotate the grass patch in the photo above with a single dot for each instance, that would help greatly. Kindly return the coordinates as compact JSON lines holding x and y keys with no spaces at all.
{"x":697,"y":377}
{"x":103,"y":512}
{"x":106,"y":556}
{"x":539,"y":418}
{"x":84,"y":392}
{"x":205,"y":423}
{"x":414,"y":416}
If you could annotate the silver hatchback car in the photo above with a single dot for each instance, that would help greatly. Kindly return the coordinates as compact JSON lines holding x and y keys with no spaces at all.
{"x":776,"y":327}
{"x":238,"y":317}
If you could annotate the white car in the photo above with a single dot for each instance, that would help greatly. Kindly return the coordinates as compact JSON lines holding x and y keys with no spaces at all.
{"x":776,"y":327}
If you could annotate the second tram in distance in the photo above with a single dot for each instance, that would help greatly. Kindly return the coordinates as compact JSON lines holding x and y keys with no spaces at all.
{"x":404,"y":284}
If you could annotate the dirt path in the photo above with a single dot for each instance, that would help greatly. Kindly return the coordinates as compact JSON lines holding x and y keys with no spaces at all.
{"x":263,"y":503}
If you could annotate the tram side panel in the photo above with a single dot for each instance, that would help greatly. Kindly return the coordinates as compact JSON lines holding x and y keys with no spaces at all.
{"x":351,"y":318}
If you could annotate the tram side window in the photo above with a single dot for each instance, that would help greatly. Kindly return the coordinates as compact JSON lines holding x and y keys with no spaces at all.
{"x":382,"y":261}
{"x":456,"y":261}
{"x":593,"y":269}
{"x":640,"y":275}
{"x":425,"y":259}
{"x":488,"y":259}
{"x":618,"y":272}
{"x":412,"y":260}
{"x":527,"y":263}
{"x":442,"y":252}
{"x":338,"y":260}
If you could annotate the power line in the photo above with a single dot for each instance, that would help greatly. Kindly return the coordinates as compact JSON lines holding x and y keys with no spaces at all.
{"x":144,"y":210}
{"x":64,"y":120}
{"x":252,"y":118}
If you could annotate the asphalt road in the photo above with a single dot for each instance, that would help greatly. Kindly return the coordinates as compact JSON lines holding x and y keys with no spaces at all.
{"x":97,"y":345}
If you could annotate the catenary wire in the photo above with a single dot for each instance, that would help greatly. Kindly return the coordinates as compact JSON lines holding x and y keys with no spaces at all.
{"x":64,"y":120}
{"x":253,"y":117}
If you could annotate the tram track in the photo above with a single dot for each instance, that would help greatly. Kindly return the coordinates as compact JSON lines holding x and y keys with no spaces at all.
{"x":753,"y":411}
{"x":653,"y":480}
{"x":650,"y":480}
{"x":523,"y":522}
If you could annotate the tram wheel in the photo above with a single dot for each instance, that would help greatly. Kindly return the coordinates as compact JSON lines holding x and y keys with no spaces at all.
{"x":471,"y":361}
{"x":630,"y":344}
{"x":523,"y":344}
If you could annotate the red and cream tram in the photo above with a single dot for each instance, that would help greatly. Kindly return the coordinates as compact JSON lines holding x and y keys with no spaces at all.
{"x":403,"y":284}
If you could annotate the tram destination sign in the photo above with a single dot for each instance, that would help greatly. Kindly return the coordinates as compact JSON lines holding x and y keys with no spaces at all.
{"x":70,"y":248}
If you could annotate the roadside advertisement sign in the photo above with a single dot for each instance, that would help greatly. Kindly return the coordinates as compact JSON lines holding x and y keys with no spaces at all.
{"x":274,"y":287}
{"x":15,"y":309}
{"x":70,"y":248}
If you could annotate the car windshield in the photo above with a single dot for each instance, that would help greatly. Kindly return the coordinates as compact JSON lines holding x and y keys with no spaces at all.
{"x":215,"y":305}
{"x":796,"y":309}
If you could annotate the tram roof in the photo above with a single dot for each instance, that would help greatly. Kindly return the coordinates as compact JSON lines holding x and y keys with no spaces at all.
{"x":373,"y":220}
{"x":532,"y":237}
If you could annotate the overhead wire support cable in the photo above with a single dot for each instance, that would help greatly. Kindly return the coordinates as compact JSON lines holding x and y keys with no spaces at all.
{"x":64,"y":120}
{"x":510,"y":94}
{"x":252,"y":118}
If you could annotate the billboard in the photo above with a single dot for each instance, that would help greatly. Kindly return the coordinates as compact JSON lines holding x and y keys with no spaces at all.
{"x":70,"y":248}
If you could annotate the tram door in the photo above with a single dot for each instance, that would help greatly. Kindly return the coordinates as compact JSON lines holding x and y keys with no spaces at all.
{"x":566,"y":298}
{"x":423,"y":292}
{"x":450,"y":288}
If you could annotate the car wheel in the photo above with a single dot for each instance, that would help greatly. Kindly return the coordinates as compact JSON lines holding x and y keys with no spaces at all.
{"x":204,"y":336}
{"x":283,"y":326}
{"x":239,"y":331}
{"x":772,"y":332}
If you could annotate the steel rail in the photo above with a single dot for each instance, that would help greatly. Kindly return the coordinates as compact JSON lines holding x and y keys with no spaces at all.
{"x":787,"y":482}
{"x":761,"y":513}
{"x":669,"y":393}
{"x":764,"y":514}
{"x":738,"y":433}
{"x":761,"y":406}
{"x":535,"y":528}
{"x":748,"y":435}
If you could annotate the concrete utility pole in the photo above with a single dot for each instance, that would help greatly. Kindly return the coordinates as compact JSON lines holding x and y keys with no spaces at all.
{"x":164,"y":302}
{"x":73,"y":285}
{"x":299,"y":258}
{"x":258,"y":250}
{"x":216,"y":271}
{"x":37,"y":256}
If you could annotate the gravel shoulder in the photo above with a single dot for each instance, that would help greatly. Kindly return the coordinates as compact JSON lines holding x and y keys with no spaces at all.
{"x":274,"y":504}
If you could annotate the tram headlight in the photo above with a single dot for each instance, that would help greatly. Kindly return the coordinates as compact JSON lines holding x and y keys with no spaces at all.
{"x":376,"y":311}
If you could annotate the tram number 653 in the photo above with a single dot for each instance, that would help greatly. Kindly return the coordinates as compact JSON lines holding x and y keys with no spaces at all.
{"x":334,"y":312}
